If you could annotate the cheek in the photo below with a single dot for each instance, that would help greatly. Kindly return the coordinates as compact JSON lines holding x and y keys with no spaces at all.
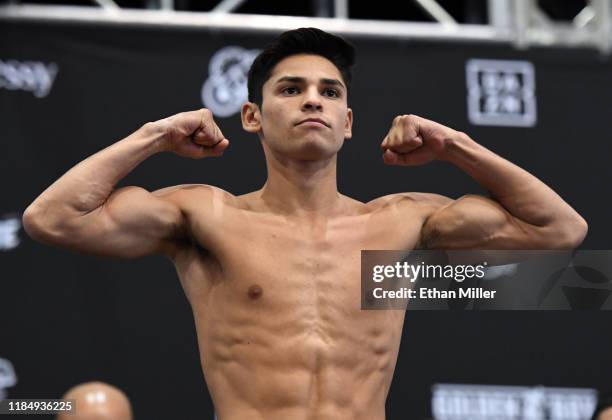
{"x":341,"y":121}
{"x":274,"y":115}
{"x":273,"y":124}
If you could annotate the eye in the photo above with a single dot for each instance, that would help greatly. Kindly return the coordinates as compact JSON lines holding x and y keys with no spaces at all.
{"x":331,"y":92}
{"x":290,"y":90}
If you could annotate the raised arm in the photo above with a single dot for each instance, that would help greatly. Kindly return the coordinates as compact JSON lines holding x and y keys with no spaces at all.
{"x":522,"y":213}
{"x":83,"y":211}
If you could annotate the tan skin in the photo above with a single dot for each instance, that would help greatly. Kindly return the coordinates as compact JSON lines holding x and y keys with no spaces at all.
{"x":273,"y":276}
{"x":605,"y":415}
{"x":97,"y":401}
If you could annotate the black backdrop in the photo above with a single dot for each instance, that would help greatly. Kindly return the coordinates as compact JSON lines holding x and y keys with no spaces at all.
{"x":67,"y":318}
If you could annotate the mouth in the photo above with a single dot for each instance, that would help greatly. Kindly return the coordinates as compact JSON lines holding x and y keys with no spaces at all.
{"x":313,"y":121}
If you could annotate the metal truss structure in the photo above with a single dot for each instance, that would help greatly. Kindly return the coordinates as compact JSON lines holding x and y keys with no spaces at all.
{"x":519,"y":22}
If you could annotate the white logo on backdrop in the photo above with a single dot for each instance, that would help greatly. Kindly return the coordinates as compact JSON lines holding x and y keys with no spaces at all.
{"x":9,"y":229}
{"x":485,"y":402}
{"x":7,"y":377}
{"x":30,"y":76}
{"x":501,"y":92}
{"x":225,"y":90}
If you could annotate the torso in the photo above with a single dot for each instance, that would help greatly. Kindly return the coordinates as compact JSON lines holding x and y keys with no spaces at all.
{"x":276,"y":302}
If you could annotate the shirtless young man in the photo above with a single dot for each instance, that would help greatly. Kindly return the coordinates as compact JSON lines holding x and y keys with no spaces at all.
{"x":273,"y":276}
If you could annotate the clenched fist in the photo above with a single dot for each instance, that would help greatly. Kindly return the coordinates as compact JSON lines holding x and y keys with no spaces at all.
{"x":413,"y":140}
{"x":192,"y":134}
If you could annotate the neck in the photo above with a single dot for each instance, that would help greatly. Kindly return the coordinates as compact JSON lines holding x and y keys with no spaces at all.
{"x":301,"y":188}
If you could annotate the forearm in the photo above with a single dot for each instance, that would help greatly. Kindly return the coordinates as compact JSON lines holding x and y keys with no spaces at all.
{"x":88,"y":185}
{"x":520,"y":193}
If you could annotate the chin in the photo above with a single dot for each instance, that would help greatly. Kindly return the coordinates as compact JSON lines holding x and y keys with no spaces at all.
{"x":306,"y":148}
{"x":314,"y":149}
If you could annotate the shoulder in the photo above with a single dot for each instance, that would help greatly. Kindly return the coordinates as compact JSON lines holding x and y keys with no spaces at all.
{"x":201,"y":194}
{"x":402,"y":216}
{"x":418,"y":201}
{"x":188,"y":189}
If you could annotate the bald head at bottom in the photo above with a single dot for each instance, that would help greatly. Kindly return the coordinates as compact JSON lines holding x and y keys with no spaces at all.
{"x":98,"y":401}
{"x":606,"y":414}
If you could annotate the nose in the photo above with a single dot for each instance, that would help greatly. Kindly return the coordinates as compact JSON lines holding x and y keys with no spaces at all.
{"x":312,"y":100}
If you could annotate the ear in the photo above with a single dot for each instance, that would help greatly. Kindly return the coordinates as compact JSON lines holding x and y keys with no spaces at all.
{"x":348,"y":124}
{"x":251,"y":117}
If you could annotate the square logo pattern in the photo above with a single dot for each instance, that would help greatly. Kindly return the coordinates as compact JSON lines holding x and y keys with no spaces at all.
{"x":501,"y":92}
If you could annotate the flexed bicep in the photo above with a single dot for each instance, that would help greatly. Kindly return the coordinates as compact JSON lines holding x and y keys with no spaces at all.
{"x":133,"y":222}
{"x":478,"y":222}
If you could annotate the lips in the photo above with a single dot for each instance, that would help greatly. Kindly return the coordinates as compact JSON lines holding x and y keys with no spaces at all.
{"x":315,"y":120}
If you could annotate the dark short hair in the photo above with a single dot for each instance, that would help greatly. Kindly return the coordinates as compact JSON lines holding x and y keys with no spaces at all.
{"x":299,"y":41}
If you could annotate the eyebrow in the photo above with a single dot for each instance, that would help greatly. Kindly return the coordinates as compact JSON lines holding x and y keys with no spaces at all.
{"x":296,"y":79}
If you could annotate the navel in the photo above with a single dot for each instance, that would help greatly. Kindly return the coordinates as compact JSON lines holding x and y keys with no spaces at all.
{"x":255,"y":291}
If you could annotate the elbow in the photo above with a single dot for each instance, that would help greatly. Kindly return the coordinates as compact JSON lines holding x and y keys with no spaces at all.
{"x":572,"y":233}
{"x":37,"y":226}
{"x":31,"y":221}
{"x":581,"y":230}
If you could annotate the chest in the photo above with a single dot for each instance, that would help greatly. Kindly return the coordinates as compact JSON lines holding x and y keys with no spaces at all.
{"x":287,"y":276}
{"x":305,"y":259}
{"x":291,"y":263}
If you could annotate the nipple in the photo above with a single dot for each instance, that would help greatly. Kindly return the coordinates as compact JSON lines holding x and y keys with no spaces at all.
{"x":255,"y":291}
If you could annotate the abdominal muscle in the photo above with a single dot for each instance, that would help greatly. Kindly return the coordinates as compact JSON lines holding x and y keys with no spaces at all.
{"x":288,"y":340}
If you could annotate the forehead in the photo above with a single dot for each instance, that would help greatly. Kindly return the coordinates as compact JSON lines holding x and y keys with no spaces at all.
{"x":307,"y":66}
